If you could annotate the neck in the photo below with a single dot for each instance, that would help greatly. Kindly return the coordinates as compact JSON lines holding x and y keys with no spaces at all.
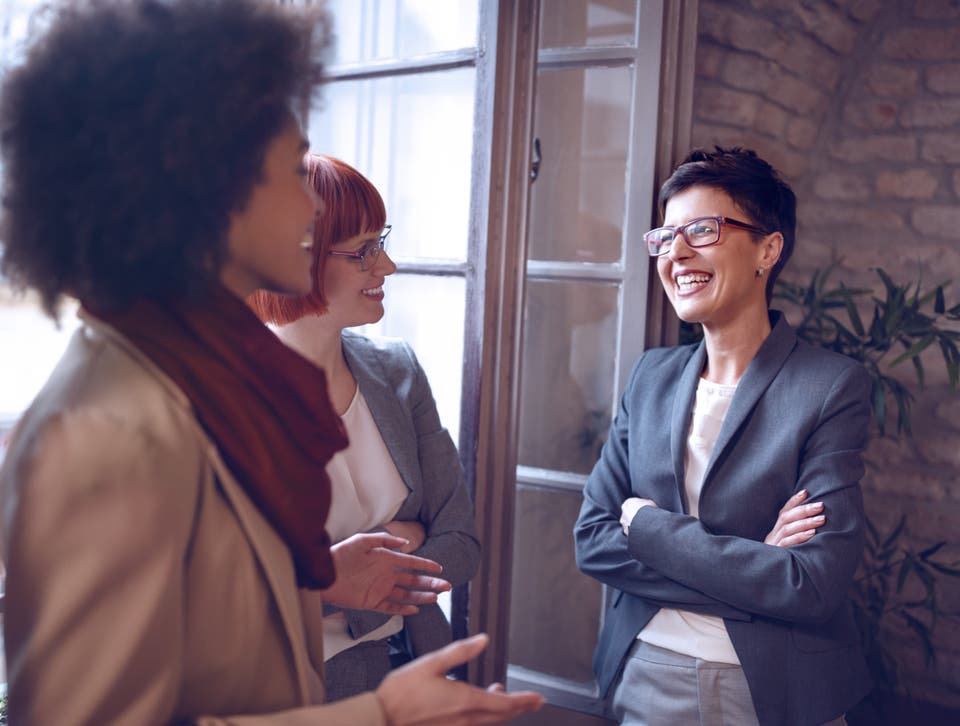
{"x":318,"y":341}
{"x":730,"y":349}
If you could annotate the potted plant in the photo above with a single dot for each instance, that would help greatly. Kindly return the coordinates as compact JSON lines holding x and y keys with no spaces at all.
{"x":897,"y":585}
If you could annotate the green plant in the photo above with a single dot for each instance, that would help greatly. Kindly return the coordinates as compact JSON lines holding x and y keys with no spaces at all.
{"x":896,"y":583}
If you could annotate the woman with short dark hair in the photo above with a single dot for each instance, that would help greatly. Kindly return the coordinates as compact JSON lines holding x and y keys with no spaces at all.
{"x":716,"y":618}
{"x":165,"y":495}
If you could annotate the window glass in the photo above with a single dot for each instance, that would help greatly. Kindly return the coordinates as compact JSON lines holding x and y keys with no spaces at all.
{"x":554,"y":608}
{"x":566,"y":391}
{"x":380,"y":29}
{"x":427,"y":312}
{"x":578,"y":201}
{"x":579,"y":23}
{"x":413,"y":137}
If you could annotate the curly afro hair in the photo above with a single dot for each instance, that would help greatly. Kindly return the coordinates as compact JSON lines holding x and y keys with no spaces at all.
{"x":132,"y":131}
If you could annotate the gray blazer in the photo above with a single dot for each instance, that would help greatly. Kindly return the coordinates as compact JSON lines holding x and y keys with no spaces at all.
{"x":799,"y":420}
{"x":399,"y":397}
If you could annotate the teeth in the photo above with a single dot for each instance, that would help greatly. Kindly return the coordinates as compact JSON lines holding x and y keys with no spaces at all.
{"x":692,"y":279}
{"x":373,"y":290}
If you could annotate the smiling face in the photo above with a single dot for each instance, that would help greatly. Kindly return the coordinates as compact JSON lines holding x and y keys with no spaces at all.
{"x":717,"y":285}
{"x":266,"y":237}
{"x":354,"y":296}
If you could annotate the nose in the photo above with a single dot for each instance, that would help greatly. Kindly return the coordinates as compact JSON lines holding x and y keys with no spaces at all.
{"x":384,"y":264}
{"x":679,"y":249}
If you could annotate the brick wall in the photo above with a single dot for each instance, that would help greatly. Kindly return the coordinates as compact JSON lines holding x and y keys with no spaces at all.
{"x":857,"y":102}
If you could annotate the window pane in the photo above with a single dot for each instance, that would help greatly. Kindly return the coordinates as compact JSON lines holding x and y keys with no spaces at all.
{"x":427,"y":312}
{"x":378,"y":29}
{"x":566,"y":389}
{"x":413,"y":137}
{"x":578,"y":201}
{"x":579,"y":23}
{"x":554,"y":608}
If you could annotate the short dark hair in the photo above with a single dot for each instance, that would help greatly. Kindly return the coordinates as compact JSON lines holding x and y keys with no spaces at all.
{"x":752,"y":184}
{"x":132,"y":131}
{"x":352,"y":206}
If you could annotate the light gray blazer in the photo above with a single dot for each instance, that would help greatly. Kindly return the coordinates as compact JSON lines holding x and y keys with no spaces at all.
{"x":799,"y":420}
{"x":143,"y":585}
{"x":399,"y":397}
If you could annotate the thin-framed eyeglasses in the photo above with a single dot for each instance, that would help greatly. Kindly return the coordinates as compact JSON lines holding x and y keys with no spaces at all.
{"x":700,"y":232}
{"x":369,"y":253}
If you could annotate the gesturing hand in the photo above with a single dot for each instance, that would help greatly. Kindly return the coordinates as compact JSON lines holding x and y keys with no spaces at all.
{"x":419,"y":693}
{"x":372,"y":576}
{"x":797,"y":522}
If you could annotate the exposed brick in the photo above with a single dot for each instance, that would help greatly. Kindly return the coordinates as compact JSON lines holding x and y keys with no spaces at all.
{"x":893,"y":81}
{"x":810,"y":61}
{"x":931,"y":113}
{"x":875,"y":148}
{"x":937,"y":9}
{"x":827,"y":25}
{"x":941,"y":148}
{"x":870,"y":220}
{"x":910,"y":184}
{"x":956,"y":182}
{"x":861,"y":10}
{"x":709,"y":60}
{"x":944,"y":78}
{"x":750,"y":72}
{"x":728,"y":106}
{"x":798,"y":95}
{"x":871,"y":115}
{"x":802,"y":133}
{"x":771,"y":119}
{"x":938,"y":221}
{"x":727,"y":27}
{"x":841,"y":186}
{"x":931,"y":44}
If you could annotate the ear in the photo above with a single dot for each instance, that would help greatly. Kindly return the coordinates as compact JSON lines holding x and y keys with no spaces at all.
{"x":770,"y":248}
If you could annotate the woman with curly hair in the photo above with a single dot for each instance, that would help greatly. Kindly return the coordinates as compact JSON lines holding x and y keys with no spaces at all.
{"x":401,"y":472}
{"x":164,"y":497}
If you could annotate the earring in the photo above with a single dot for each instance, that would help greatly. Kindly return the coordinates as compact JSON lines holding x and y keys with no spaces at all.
{"x":760,"y":271}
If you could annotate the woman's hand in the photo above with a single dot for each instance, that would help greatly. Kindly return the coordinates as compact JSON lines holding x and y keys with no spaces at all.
{"x":629,"y":509}
{"x":372,"y":576}
{"x":420,"y":692}
{"x":411,"y":531}
{"x":797,"y":522}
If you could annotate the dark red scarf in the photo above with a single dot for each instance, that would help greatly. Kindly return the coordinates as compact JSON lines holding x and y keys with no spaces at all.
{"x":264,"y":405}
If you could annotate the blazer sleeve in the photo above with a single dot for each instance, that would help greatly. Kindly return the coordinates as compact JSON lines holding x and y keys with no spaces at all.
{"x":602,"y":549}
{"x":805,"y":583}
{"x":447,"y":513}
{"x":94,"y":543}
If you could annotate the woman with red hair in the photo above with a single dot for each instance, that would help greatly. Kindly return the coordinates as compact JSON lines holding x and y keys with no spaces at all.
{"x":401,"y":472}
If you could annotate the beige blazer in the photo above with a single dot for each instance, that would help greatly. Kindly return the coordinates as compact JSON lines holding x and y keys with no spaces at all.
{"x":143,"y":586}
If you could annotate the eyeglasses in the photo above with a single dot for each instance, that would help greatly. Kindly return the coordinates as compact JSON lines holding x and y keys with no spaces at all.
{"x":700,"y":232}
{"x":369,"y":253}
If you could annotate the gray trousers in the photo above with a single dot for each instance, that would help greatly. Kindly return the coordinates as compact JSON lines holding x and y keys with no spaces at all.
{"x":663,"y":688}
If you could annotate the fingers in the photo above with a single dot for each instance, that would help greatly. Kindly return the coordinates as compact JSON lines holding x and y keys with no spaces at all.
{"x":412,"y":562}
{"x":794,"y":501}
{"x":457,"y":653}
{"x":424,"y":583}
{"x":495,"y":705}
{"x":796,"y":539}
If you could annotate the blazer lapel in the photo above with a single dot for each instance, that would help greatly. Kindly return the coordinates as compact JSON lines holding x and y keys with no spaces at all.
{"x":685,"y":392}
{"x":756,"y":379}
{"x":392,"y":422}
